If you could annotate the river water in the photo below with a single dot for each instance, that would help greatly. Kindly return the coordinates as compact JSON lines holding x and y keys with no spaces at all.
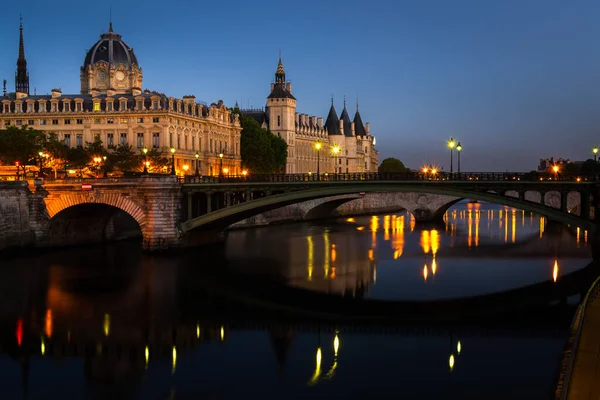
{"x":111,"y":322}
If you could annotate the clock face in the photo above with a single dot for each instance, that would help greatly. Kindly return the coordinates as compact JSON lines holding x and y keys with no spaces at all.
{"x":101,"y":75}
{"x":120,"y":75}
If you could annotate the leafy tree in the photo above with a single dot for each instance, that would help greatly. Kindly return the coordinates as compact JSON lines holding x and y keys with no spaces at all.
{"x":392,"y":165}
{"x":96,"y":148}
{"x":78,"y":158}
{"x":56,"y":150}
{"x":20,"y":145}
{"x":590,"y":167}
{"x":124,"y":158}
{"x":262,"y":152}
{"x":158,"y":161}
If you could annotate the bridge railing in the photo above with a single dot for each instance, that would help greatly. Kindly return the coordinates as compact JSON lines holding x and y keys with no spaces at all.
{"x":388,"y":176}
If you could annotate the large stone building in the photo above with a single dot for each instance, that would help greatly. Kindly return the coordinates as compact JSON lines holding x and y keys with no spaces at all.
{"x":113,"y":106}
{"x":340,"y":145}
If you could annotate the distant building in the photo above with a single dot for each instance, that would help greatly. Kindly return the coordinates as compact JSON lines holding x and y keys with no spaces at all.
{"x":302,"y":132}
{"x":113,"y":107}
{"x":547,"y":163}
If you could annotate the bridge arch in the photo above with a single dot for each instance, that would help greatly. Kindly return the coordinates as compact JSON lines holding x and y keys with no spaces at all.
{"x":54,"y":206}
{"x":224,"y":217}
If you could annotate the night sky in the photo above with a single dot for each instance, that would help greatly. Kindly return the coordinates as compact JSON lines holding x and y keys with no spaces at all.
{"x":512,"y":80}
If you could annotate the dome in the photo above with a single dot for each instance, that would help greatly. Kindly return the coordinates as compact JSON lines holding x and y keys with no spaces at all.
{"x":111,"y":49}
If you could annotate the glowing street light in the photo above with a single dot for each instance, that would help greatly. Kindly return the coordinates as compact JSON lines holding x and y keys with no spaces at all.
{"x":221,"y":164}
{"x":451,"y":145}
{"x":335,"y":150}
{"x":226,"y":170}
{"x":318,"y":146}
{"x":145,"y":151}
{"x":172,"y":160}
{"x":595,"y":151}
{"x":105,"y":167}
{"x":197,"y":167}
{"x":458,"y":150}
{"x":185,"y":169}
{"x":244,"y":173}
{"x":555,"y":169}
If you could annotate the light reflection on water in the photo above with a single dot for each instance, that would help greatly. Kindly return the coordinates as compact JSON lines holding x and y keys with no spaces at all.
{"x":481,"y":249}
{"x":110,"y":322}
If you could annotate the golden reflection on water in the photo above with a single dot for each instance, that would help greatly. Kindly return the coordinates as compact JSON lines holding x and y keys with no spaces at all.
{"x":326,"y":257}
{"x":555,"y":271}
{"x":311,"y":254}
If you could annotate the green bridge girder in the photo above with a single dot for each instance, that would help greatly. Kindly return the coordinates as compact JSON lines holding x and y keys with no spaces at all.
{"x":295,"y":192}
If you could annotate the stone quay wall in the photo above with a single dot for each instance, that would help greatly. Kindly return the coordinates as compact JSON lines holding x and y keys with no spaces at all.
{"x":17,"y":212}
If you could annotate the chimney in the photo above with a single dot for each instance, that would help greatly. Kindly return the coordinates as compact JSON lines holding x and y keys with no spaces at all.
{"x":288,"y":86}
{"x":320,"y":122}
{"x":352,"y":128}
{"x":368,"y":129}
{"x":56,"y":93}
{"x":342,"y":126}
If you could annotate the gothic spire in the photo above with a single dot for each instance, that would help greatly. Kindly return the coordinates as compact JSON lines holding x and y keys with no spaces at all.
{"x":280,"y":74}
{"x":22,"y":76}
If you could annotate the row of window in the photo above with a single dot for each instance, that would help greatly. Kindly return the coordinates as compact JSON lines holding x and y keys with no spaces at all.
{"x":78,"y":121}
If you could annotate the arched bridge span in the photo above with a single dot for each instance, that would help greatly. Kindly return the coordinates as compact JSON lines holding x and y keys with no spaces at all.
{"x":282,"y":194}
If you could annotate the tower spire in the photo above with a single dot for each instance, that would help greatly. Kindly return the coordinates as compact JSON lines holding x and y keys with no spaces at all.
{"x":280,"y":74}
{"x":344,"y":101}
{"x":21,"y":77}
{"x":110,"y":28}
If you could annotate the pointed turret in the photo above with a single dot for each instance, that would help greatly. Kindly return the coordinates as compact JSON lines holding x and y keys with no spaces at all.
{"x":359,"y":127}
{"x":332,"y":124}
{"x":345,"y":118}
{"x":22,"y":76}
{"x":281,"y":89}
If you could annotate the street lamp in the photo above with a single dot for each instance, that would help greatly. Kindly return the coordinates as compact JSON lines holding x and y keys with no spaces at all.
{"x":145,"y":151}
{"x":197,"y":169}
{"x":225,"y":170}
{"x":185,"y":169}
{"x":105,"y":167}
{"x":244,"y":173}
{"x":318,"y":146}
{"x":595,"y":151}
{"x":172,"y":160}
{"x":221,"y":164}
{"x":555,"y":169}
{"x":41,"y":154}
{"x":458,"y":150}
{"x":336,"y":150}
{"x":451,"y":145}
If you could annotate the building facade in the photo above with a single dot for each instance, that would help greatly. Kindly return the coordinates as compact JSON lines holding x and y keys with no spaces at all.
{"x":341,"y":145}
{"x":113,"y":107}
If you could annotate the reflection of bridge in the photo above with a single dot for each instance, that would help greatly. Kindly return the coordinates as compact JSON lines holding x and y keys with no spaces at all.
{"x":170,"y":214}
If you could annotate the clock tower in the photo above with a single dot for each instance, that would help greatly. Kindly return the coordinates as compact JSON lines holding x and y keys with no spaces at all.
{"x":110,"y":64}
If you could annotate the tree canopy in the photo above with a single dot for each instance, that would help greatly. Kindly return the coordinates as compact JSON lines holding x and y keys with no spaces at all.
{"x":262,"y":152}
{"x":20,"y":146}
{"x":392,"y":165}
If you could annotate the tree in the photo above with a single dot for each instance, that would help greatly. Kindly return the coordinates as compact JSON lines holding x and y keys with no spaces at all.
{"x":56,"y":153}
{"x":158,"y":161}
{"x":78,"y":159}
{"x":123,"y":158}
{"x":262,"y":152}
{"x":96,"y":148}
{"x":20,"y":146}
{"x":392,"y":165}
{"x":590,"y":167}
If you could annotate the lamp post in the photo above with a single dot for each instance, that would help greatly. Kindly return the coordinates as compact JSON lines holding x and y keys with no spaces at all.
{"x":97,"y":161}
{"x":458,"y":150}
{"x":335,"y":150}
{"x":145,"y":151}
{"x":105,"y":167}
{"x":197,"y":168}
{"x":451,"y":144}
{"x":172,"y":160}
{"x":41,"y":154}
{"x":220,"y":164}
{"x":595,"y":151}
{"x":555,"y":169}
{"x":185,"y":169}
{"x":318,"y":146}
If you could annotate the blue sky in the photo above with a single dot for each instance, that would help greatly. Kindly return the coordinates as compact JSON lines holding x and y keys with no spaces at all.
{"x":513,"y":80}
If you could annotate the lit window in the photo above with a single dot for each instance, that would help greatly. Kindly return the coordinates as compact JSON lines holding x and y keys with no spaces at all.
{"x":96,"y":106}
{"x":123,"y":120}
{"x":110,"y":121}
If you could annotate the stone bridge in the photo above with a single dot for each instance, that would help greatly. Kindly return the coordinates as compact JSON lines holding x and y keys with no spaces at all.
{"x":170,"y":214}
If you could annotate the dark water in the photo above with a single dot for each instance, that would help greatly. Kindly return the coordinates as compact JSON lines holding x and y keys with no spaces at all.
{"x":111,"y":322}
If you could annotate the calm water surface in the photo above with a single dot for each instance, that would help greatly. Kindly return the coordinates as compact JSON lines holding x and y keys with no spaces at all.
{"x":111,"y":322}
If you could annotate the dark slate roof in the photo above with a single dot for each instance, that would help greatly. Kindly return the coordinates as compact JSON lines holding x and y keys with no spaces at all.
{"x":257,"y":115}
{"x":359,"y":127}
{"x":333,"y":123}
{"x":280,"y":92}
{"x":111,"y":49}
{"x":347,"y":123}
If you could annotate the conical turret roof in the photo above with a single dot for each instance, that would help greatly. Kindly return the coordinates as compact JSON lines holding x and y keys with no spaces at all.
{"x":359,"y":127}
{"x":333,"y":123}
{"x":346,"y":120}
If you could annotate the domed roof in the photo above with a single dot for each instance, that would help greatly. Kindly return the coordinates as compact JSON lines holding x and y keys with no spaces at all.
{"x":111,"y":49}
